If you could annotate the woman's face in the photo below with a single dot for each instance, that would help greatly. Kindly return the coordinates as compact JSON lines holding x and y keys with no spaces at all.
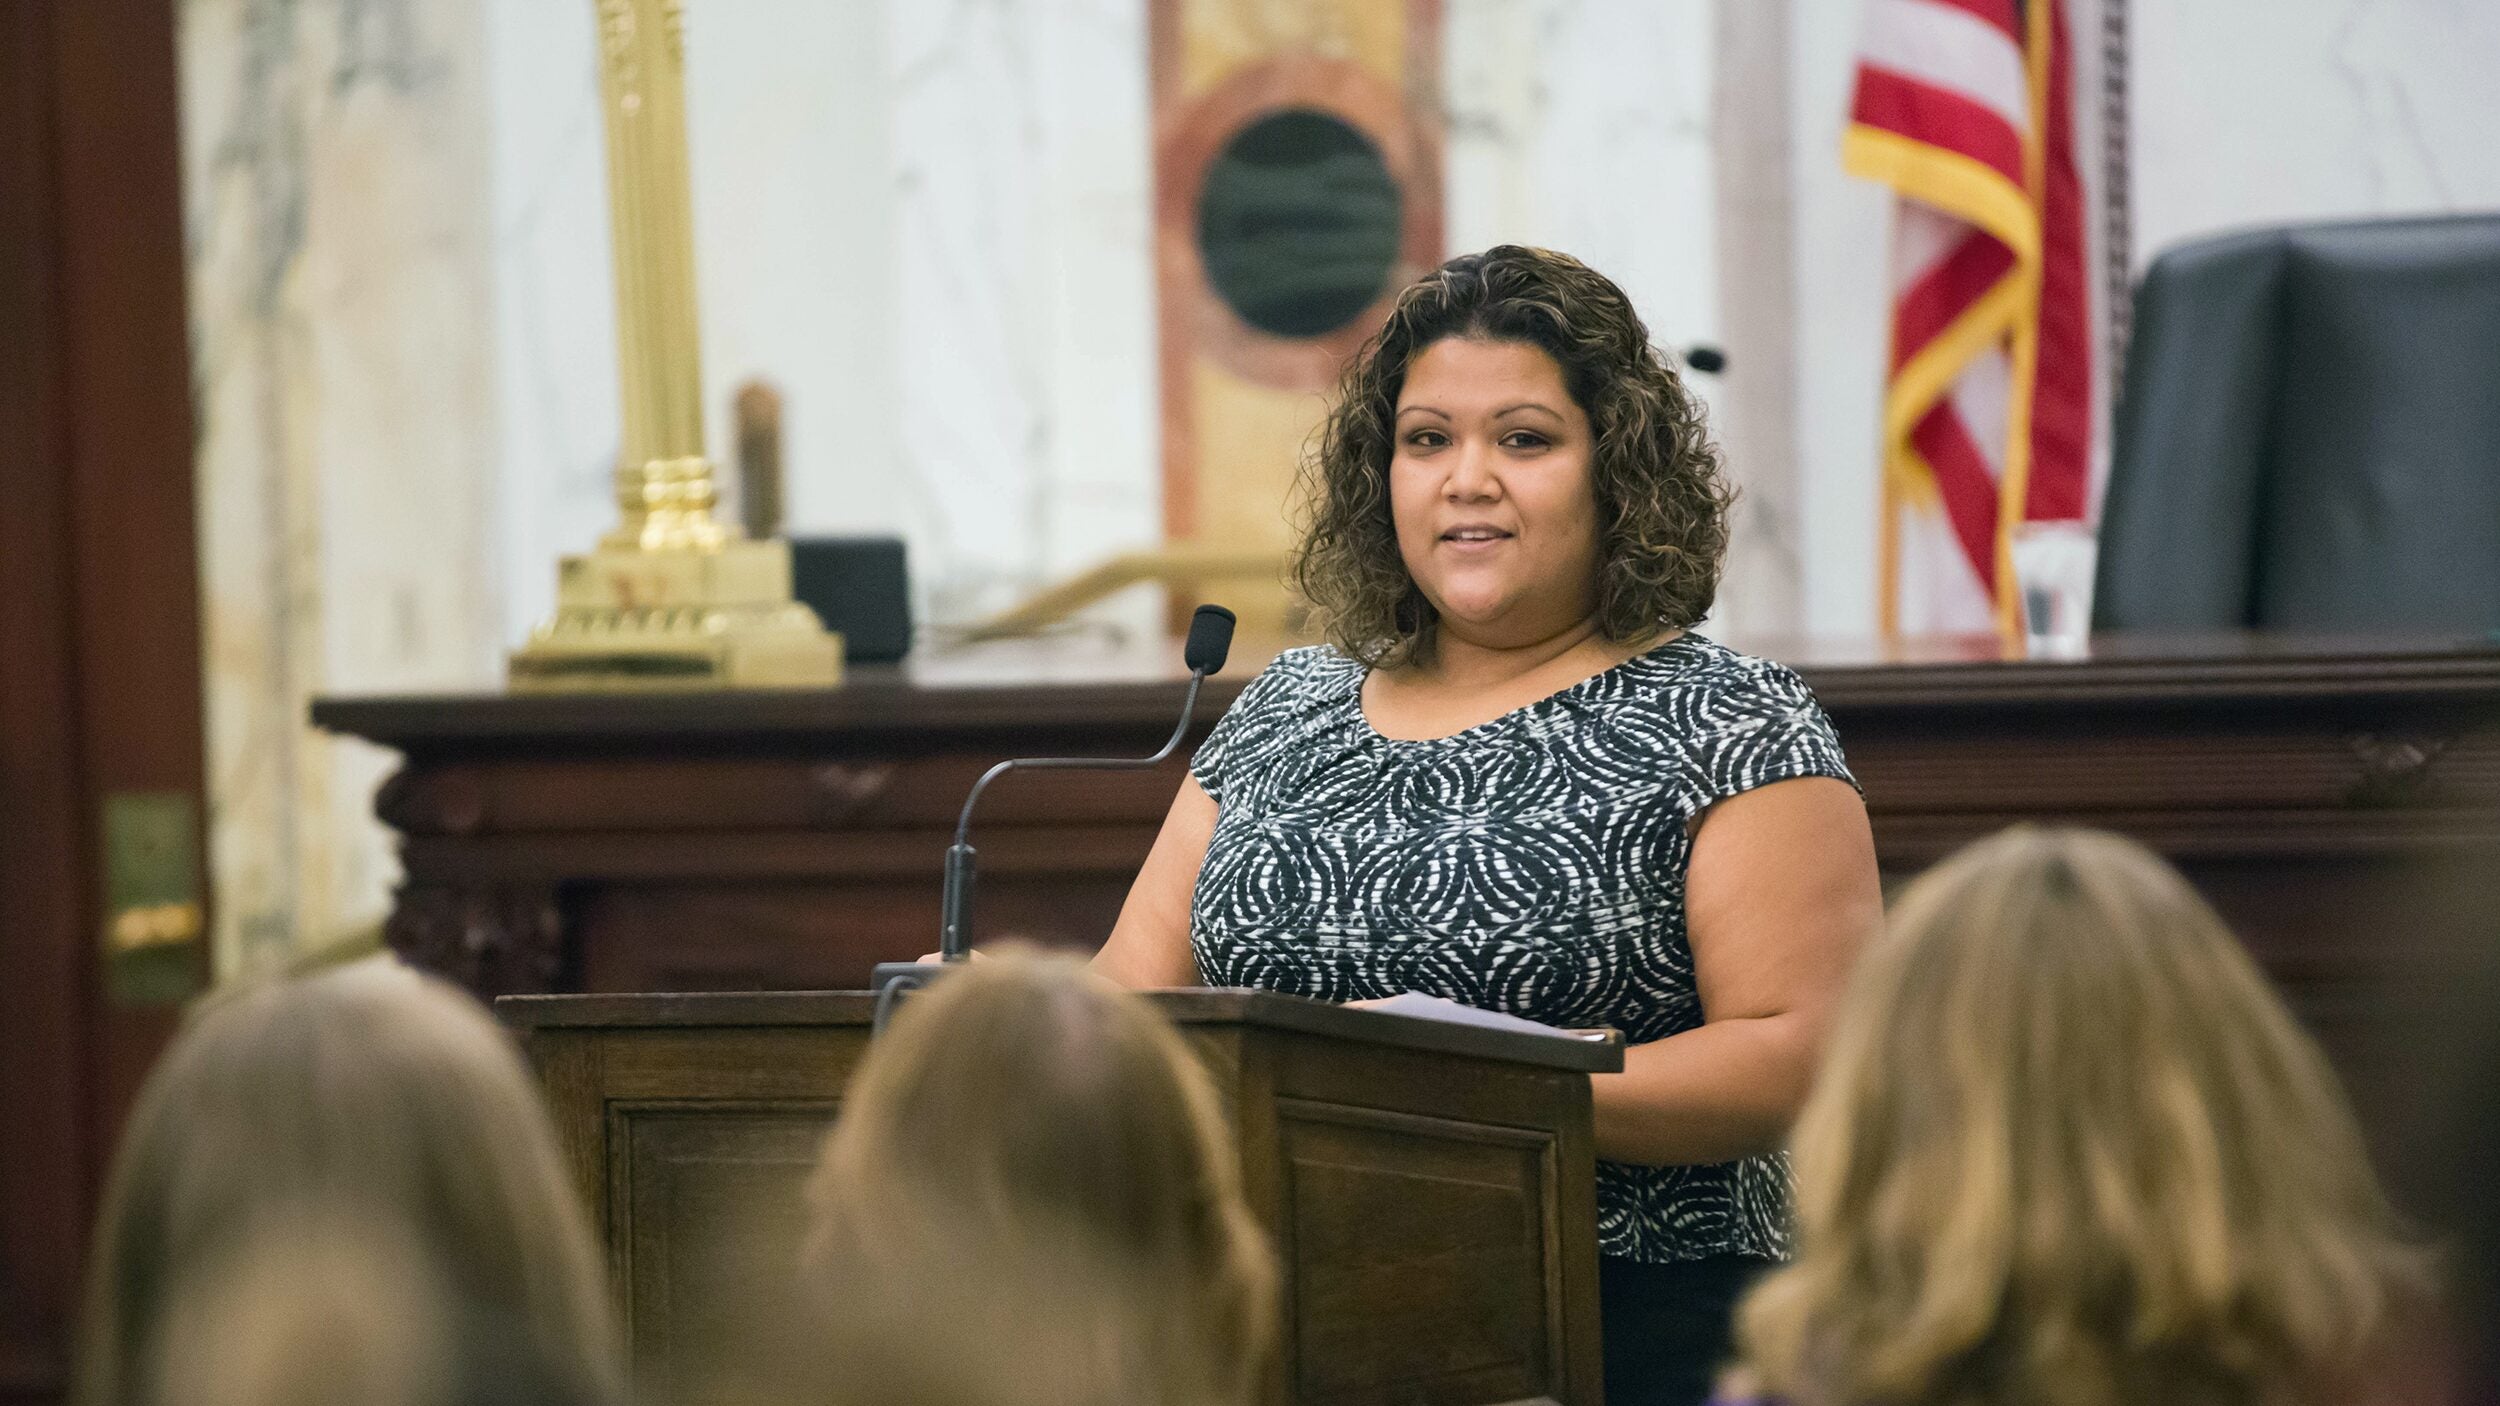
{"x":1489,"y":485}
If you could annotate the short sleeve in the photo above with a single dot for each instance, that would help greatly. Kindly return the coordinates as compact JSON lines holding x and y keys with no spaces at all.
{"x":1764,"y":726}
{"x":1255,"y":714}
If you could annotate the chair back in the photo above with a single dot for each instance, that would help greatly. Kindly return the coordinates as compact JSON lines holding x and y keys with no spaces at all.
{"x":2309,"y":434}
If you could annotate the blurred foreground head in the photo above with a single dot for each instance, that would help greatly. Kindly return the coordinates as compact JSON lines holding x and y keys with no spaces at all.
{"x":2068,"y":1147}
{"x":321,"y":1308}
{"x":364,"y":1125}
{"x":1031,"y":1197}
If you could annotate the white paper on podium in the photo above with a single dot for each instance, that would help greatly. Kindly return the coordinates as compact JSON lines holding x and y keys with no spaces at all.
{"x":1423,"y":1007}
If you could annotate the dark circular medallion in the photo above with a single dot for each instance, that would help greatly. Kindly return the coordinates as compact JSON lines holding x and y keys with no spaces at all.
{"x":1298,"y":223}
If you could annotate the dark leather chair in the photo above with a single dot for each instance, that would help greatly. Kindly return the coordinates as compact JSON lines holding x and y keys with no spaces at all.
{"x":2309,"y":434}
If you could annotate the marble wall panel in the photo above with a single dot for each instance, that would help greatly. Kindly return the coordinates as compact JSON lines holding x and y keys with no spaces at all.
{"x":1604,"y":128}
{"x":333,"y":159}
{"x":2329,"y":109}
{"x":1838,"y":243}
{"x":1024,"y":292}
{"x":550,"y":341}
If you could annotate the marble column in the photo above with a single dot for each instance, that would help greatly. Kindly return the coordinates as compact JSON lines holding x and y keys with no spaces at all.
{"x":334,"y":186}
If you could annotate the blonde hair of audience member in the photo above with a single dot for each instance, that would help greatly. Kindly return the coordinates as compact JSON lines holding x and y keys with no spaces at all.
{"x":319,"y":1307}
{"x":372,"y":1092}
{"x":1031,"y":1196}
{"x":2068,"y":1148}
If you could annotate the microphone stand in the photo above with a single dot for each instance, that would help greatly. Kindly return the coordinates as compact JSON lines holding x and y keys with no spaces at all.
{"x":891,"y":979}
{"x":955,"y":921}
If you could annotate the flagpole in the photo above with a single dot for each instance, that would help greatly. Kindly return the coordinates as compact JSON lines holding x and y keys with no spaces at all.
{"x":2014,"y":493}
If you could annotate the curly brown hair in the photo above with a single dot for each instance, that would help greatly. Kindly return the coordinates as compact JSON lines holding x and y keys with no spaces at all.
{"x":1662,"y":500}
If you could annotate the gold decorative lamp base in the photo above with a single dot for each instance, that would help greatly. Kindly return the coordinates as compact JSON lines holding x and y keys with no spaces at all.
{"x":671,"y":598}
{"x":628,"y":618}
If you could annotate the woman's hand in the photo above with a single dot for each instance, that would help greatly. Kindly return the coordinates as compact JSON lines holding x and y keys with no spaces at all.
{"x":1780,"y":893}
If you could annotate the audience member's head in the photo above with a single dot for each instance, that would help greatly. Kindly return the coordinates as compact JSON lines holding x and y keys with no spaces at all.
{"x":321,"y":1307}
{"x":374,"y":1098}
{"x":1031,"y":1197}
{"x":2068,"y":1147}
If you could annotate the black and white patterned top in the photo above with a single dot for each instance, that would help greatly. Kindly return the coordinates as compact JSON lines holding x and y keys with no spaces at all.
{"x":1532,"y":865}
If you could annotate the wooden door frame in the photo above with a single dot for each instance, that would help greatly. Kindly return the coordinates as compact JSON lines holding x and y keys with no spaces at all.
{"x":100,"y":678}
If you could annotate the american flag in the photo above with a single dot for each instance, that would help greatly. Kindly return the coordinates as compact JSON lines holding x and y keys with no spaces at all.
{"x":1965,"y":108}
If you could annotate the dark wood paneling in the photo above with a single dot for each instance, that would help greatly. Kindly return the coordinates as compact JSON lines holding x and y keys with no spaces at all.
{"x":717,"y":1205}
{"x":99,"y":605}
{"x":43,"y":1025}
{"x":791,"y":839}
{"x":1397,"y":1226}
{"x":134,"y":514}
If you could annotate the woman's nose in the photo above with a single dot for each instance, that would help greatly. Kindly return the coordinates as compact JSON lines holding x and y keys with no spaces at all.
{"x":1472,"y":478}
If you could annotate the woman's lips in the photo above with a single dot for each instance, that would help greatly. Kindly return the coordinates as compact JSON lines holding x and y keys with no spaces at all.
{"x":1471,"y":541}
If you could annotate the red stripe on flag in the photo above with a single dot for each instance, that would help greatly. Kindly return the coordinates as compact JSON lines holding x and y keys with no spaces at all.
{"x":1945,"y":291}
{"x":2061,"y":406}
{"x":1964,"y":483}
{"x":1938,"y":117}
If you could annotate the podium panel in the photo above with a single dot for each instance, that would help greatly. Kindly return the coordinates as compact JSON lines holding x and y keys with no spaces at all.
{"x":715,"y":1191}
{"x":1410,"y":1237}
{"x":1431,"y":1188}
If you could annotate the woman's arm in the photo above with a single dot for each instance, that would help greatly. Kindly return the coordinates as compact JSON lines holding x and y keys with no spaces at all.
{"x":1149,"y":945}
{"x":1780,"y":892}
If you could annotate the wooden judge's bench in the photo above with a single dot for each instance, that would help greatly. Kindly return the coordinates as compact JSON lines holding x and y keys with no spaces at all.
{"x":2338,"y":800}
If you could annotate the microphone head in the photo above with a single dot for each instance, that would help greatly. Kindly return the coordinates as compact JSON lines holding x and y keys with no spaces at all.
{"x":1707,"y":360}
{"x":1210,"y":639}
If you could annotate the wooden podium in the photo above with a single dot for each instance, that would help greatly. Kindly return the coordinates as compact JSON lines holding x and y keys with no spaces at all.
{"x":1431,"y":1186}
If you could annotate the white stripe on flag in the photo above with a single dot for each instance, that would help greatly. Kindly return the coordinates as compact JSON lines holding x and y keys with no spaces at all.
{"x":1948,"y":47}
{"x":1981,"y":396}
{"x":1925,"y":236}
{"x":1938,"y":593}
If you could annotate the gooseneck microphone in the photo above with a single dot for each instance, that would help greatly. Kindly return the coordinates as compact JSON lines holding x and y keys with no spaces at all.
{"x":1210,"y":639}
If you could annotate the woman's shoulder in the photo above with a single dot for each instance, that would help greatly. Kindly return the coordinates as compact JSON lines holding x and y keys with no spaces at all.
{"x":1302,"y":674}
{"x":1730,"y":721}
{"x":1298,"y":690}
{"x":1702,"y":671}
{"x":1301,"y":692}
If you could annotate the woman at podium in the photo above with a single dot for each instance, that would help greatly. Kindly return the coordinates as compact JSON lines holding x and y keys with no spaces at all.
{"x":1517,"y":779}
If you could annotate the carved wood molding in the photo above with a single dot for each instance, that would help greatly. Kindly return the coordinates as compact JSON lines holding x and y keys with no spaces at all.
{"x":441,"y":800}
{"x":2397,"y":768}
{"x":494,"y":940}
{"x":845,"y":791}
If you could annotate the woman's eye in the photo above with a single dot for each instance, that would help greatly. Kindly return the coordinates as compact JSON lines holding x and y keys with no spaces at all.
{"x":1523,"y":439}
{"x":1427,"y":439}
